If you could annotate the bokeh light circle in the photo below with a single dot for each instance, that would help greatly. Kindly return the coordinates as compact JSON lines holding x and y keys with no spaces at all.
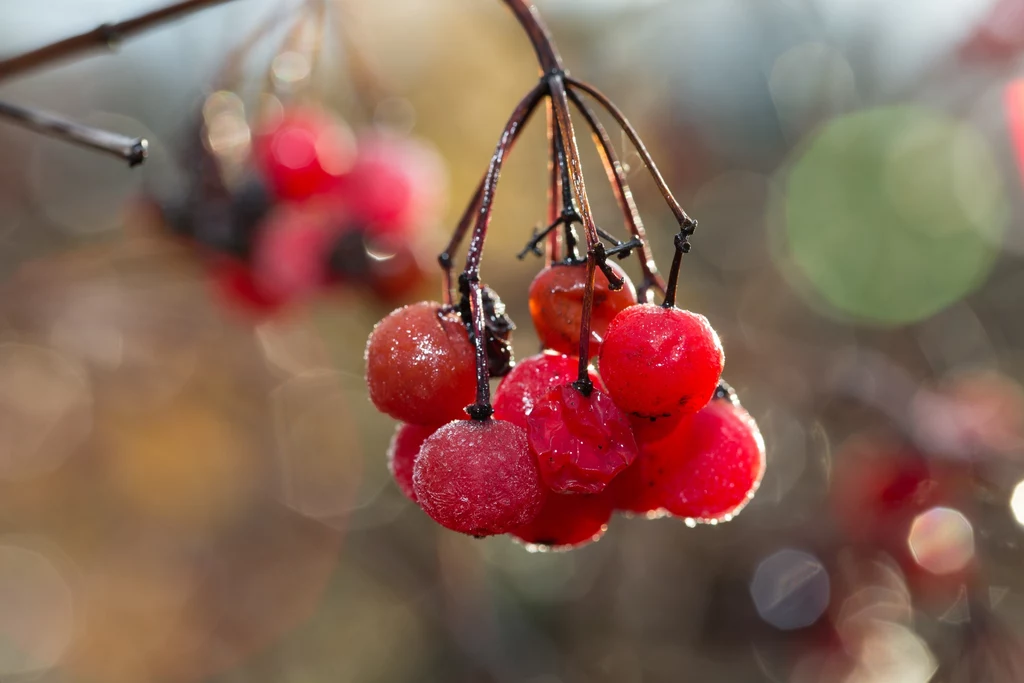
{"x":892,"y":213}
{"x":790,"y":589}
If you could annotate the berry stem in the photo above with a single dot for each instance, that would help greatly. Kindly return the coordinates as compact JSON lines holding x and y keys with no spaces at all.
{"x":552,"y":250}
{"x":682,"y":246}
{"x":103,"y":36}
{"x":132,"y":150}
{"x":684,"y":220}
{"x":623,"y":195}
{"x":471,"y":273}
{"x":540,"y":37}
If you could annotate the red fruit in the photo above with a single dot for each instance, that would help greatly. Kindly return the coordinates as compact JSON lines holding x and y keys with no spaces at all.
{"x":291,"y":256}
{"x":711,"y":465}
{"x":659,"y":361}
{"x":478,"y":478}
{"x":420,"y":365}
{"x":304,"y":152}
{"x":531,"y":380}
{"x":405,"y":446}
{"x":637,"y":489}
{"x":581,"y":442}
{"x":234,"y":281}
{"x":396,"y":185}
{"x":566,"y":522}
{"x":395,"y":272}
{"x":556,"y":305}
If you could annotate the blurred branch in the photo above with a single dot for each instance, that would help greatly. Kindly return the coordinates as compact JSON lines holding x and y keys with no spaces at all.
{"x":132,"y":150}
{"x":103,"y":36}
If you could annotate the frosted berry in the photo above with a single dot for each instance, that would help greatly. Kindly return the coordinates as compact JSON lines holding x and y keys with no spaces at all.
{"x":396,"y":185}
{"x":420,"y":365}
{"x":531,"y":380}
{"x":566,"y":522}
{"x":713,"y":463}
{"x":405,"y":446}
{"x":581,"y":442}
{"x":556,"y":306}
{"x":478,"y":477}
{"x":304,"y":152}
{"x":659,"y":361}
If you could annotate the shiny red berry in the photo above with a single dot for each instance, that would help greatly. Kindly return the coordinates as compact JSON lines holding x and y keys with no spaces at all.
{"x":420,"y":365}
{"x":556,"y":305}
{"x":712,"y":463}
{"x":659,"y":361}
{"x":304,"y":152}
{"x":567,"y":521}
{"x":478,"y":478}
{"x":396,"y":186}
{"x":531,"y":380}
{"x":402,"y":452}
{"x":581,"y":442}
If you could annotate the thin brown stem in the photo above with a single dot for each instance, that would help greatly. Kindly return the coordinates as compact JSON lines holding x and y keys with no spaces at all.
{"x":132,"y":150}
{"x":634,"y":137}
{"x":682,"y":246}
{"x":471,"y":273}
{"x":623,"y":195}
{"x":552,"y":250}
{"x":103,"y":36}
{"x":540,"y":37}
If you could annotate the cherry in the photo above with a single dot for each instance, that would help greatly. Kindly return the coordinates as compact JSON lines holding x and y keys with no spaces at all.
{"x":659,"y":361}
{"x":478,"y":477}
{"x":395,"y":186}
{"x":405,"y":446}
{"x":556,"y":305}
{"x":581,"y":442}
{"x":304,"y":152}
{"x":531,"y":380}
{"x":566,"y":522}
{"x":711,"y":465}
{"x":420,"y":365}
{"x":291,"y":256}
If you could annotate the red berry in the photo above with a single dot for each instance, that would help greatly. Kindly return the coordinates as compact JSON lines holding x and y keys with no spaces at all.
{"x":420,"y":365}
{"x":567,"y":521}
{"x":711,"y":465}
{"x":581,"y":442}
{"x":304,"y":152}
{"x":396,"y":272}
{"x":659,"y":361}
{"x":531,"y":380}
{"x":291,"y":257}
{"x":556,"y":305}
{"x":405,"y":446}
{"x":234,"y":281}
{"x":396,"y":185}
{"x":637,"y":490}
{"x":478,"y":478}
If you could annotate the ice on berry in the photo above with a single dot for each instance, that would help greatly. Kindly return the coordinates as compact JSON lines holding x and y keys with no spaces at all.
{"x":478,"y":477}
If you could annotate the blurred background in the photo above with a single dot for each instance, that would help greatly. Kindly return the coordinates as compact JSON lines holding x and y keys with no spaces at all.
{"x":191,"y":493}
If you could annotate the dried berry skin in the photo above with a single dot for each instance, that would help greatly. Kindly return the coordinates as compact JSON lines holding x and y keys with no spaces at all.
{"x":402,"y":452}
{"x":556,"y":306}
{"x":581,"y":442}
{"x":567,"y":521}
{"x":659,"y":361}
{"x":531,"y":380}
{"x":304,"y":152}
{"x":478,"y":477}
{"x":420,"y":365}
{"x":713,"y":463}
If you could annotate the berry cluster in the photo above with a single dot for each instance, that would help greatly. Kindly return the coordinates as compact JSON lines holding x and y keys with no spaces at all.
{"x":652,"y":430}
{"x":318,"y":207}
